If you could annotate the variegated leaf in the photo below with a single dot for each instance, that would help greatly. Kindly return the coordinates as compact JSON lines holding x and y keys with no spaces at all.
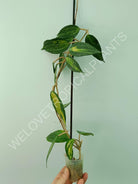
{"x":73,"y":64}
{"x":56,"y":45}
{"x":69,"y":32}
{"x":58,"y":106}
{"x":69,"y":148}
{"x":82,"y":49}
{"x":95,"y":43}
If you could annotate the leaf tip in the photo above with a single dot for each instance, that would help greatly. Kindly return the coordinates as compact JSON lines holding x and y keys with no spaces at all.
{"x":46,"y":162}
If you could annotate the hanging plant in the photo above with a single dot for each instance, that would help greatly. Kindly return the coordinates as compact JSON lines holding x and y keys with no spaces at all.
{"x":69,"y":48}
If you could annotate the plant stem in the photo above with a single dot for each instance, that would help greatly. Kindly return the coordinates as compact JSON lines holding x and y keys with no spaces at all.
{"x":58,"y":59}
{"x":76,"y":146}
{"x":59,"y":72}
{"x":76,"y":40}
{"x":62,"y":67}
{"x":63,"y":125}
{"x":63,"y":133}
{"x":57,"y":90}
{"x":86,"y":32}
{"x":80,"y":153}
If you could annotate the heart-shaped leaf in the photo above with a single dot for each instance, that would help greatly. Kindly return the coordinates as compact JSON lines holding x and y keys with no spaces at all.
{"x":73,"y":64}
{"x":69,"y":148}
{"x":60,"y":136}
{"x":82,"y":49}
{"x":58,"y":106}
{"x":95,"y":43}
{"x":69,"y":32}
{"x":55,"y":46}
{"x":85,"y":133}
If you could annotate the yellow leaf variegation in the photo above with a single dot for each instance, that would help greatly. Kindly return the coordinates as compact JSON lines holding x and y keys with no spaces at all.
{"x":69,"y":148}
{"x":82,"y":49}
{"x":73,"y":64}
{"x":58,"y":106}
{"x":67,"y":46}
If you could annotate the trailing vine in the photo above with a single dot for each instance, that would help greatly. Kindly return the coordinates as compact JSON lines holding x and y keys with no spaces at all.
{"x":67,"y":46}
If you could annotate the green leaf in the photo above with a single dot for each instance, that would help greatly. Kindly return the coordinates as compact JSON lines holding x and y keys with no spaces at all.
{"x":69,"y":32}
{"x":60,"y":137}
{"x":55,"y":71}
{"x":58,"y":106}
{"x":95,"y":43}
{"x":73,"y":64}
{"x":50,"y":149}
{"x":55,"y":46}
{"x":85,"y":133}
{"x":69,"y":148}
{"x":53,"y":67}
{"x":82,"y":49}
{"x":66,"y":105}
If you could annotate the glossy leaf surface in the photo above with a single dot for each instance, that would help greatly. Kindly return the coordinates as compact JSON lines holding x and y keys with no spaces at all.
{"x":55,"y":46}
{"x":69,"y":148}
{"x":69,"y":32}
{"x":82,"y":49}
{"x":95,"y":43}
{"x":60,"y":137}
{"x":58,"y":106}
{"x":73,"y":64}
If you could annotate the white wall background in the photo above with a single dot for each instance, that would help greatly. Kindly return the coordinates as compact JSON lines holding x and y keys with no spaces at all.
{"x":106,"y":102}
